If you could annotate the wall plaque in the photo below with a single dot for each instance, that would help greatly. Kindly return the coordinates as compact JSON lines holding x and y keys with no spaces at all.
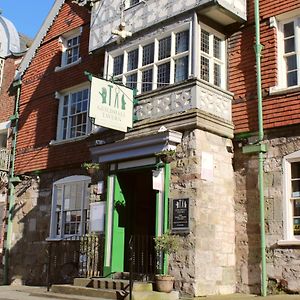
{"x":180,"y":215}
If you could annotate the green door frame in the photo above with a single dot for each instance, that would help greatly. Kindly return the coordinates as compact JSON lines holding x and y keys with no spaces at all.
{"x":114,"y":236}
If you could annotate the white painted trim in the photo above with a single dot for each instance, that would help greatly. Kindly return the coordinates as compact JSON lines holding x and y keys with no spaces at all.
{"x":137,"y":163}
{"x":5,"y":125}
{"x":160,"y":210}
{"x":72,"y":179}
{"x":289,"y":243}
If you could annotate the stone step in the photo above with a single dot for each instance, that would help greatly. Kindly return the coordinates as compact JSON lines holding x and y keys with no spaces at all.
{"x":86,"y":291}
{"x":102,"y":283}
{"x":146,"y":295}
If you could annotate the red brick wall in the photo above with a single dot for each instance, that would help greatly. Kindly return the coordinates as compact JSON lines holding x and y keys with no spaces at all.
{"x":38,"y":106}
{"x":6,"y":93}
{"x":278,"y":110}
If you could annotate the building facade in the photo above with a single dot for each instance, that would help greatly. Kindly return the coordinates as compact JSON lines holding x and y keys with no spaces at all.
{"x":195,"y":78}
{"x":12,"y":48}
{"x":280,"y":89}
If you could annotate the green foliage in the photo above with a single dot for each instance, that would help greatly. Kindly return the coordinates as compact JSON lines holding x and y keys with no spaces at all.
{"x":165,"y":153}
{"x":90,"y":165}
{"x":168,"y":243}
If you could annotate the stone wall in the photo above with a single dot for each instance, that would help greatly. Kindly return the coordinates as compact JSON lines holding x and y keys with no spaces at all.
{"x":207,"y":264}
{"x":282,"y":261}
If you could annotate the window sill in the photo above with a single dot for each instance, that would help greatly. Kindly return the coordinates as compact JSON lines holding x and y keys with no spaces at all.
{"x":68,"y":238}
{"x":61,"y":142}
{"x":61,"y":68}
{"x":275,"y":90}
{"x":289,"y":243}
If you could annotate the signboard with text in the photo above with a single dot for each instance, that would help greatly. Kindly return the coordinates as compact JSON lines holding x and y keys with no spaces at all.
{"x":180,"y":215}
{"x":111,"y":105}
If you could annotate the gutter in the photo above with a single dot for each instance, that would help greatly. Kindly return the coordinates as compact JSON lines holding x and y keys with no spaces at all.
{"x":260,"y":148}
{"x":12,"y":180}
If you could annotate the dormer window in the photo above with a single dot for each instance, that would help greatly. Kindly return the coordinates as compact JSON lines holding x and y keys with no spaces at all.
{"x":70,"y":49}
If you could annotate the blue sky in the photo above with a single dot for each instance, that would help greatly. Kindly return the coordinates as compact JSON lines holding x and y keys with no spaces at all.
{"x":27,"y":15}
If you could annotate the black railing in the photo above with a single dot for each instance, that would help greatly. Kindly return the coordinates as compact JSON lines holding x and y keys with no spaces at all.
{"x":75,"y":257}
{"x":144,"y":262}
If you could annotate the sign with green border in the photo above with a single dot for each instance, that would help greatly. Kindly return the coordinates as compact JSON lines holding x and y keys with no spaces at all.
{"x":111,"y":105}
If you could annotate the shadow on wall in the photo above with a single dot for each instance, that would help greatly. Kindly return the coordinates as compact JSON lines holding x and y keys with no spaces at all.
{"x":248,"y":255}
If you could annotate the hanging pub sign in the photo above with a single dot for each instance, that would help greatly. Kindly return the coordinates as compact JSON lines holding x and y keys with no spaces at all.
{"x":111,"y":105}
{"x":180,"y":215}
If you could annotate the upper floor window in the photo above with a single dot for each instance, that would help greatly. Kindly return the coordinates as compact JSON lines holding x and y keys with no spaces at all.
{"x":73,"y":120}
{"x":70,"y":207}
{"x":153,"y":64}
{"x":288,"y":60}
{"x":212,"y":57}
{"x":1,"y":71}
{"x":70,"y":48}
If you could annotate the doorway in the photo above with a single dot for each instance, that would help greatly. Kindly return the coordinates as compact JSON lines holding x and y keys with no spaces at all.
{"x":135,"y":211}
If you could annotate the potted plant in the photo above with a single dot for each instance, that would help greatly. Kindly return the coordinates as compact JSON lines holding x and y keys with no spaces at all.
{"x":166,"y":156}
{"x":91,"y":167}
{"x":166,"y":244}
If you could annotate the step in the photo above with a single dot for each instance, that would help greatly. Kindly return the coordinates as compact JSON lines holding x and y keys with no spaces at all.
{"x":174,"y":295}
{"x":102,"y":283}
{"x":85,"y":291}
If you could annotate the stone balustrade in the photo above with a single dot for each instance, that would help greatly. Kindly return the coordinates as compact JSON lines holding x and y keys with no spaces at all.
{"x":193,"y":93}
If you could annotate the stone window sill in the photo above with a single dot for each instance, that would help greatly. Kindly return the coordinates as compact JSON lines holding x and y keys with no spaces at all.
{"x":288,"y":243}
{"x":60,"y":68}
{"x":61,"y":142}
{"x":275,"y":90}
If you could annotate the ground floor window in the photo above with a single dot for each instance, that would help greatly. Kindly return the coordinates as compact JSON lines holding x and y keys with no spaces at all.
{"x":70,"y":207}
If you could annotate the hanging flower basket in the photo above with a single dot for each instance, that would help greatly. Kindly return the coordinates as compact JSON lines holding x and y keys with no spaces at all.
{"x":166,"y":156}
{"x":91,"y":167}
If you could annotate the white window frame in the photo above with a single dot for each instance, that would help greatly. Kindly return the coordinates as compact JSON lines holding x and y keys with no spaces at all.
{"x":63,"y":39}
{"x":288,"y":237}
{"x":212,"y":60}
{"x":85,"y":180}
{"x":60,"y":96}
{"x":278,"y":23}
{"x":2,"y":62}
{"x":173,"y":57}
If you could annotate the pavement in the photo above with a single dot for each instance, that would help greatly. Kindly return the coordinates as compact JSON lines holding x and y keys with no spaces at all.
{"x":19,"y":292}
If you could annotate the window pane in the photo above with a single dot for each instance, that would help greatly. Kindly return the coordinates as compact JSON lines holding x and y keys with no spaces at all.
{"x":217,"y":75}
{"x":147,"y":80}
{"x":118,"y":65}
{"x":296,"y":209}
{"x":217,"y":47}
{"x":295,"y":170}
{"x":295,"y":188}
{"x":289,"y":45}
{"x":204,"y":41}
{"x":296,"y":226}
{"x":132,"y":60}
{"x":181,"y":68}
{"x":148,"y":54}
{"x":291,"y":62}
{"x":288,"y":29}
{"x":163,"y":75}
{"x":182,"y":41}
{"x":131,"y":81}
{"x":292,"y":78}
{"x":164,"y":48}
{"x":204,"y":68}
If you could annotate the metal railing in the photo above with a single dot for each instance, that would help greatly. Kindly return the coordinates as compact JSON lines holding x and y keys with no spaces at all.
{"x":4,"y":159}
{"x":144,"y":262}
{"x":75,"y":257}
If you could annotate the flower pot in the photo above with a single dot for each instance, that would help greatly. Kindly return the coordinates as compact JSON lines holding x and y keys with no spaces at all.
{"x":164,"y":283}
{"x":166,"y":158}
{"x":92,"y":171}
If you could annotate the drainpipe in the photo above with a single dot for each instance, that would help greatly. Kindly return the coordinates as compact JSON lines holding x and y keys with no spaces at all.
{"x":12,"y":180}
{"x":260,"y":148}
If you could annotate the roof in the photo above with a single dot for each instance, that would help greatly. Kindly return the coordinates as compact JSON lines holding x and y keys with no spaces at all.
{"x":9,"y":38}
{"x":39,"y":38}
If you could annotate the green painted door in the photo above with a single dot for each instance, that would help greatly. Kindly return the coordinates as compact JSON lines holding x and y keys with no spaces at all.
{"x":119,"y":223}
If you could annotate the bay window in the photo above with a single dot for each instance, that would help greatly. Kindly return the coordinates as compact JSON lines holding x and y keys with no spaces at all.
{"x":153,"y":64}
